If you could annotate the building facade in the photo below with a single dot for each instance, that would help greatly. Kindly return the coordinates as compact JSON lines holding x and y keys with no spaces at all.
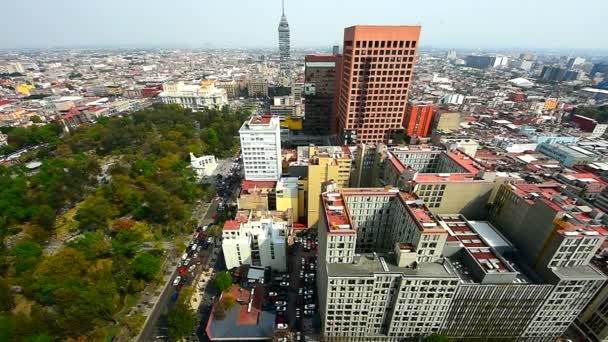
{"x":258,"y":239}
{"x":418,"y":119}
{"x":261,"y":148}
{"x":203,"y":166}
{"x":390,"y":269}
{"x":377,"y":67}
{"x":320,"y":74}
{"x":194,"y":96}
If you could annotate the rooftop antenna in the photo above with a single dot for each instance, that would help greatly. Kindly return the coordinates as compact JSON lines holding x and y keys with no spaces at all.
{"x":283,"y":7}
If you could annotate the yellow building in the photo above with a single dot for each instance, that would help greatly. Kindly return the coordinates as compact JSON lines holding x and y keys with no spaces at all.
{"x":287,"y":195}
{"x":446,"y":121}
{"x":325,"y":163}
{"x":256,"y":195}
{"x":294,"y":123}
{"x":24,"y":88}
{"x":550,"y":104}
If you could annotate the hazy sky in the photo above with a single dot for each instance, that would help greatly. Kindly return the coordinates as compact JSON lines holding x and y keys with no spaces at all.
{"x":565,"y":24}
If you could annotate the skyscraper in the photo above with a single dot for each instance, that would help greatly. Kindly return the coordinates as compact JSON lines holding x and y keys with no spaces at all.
{"x":320,"y":74}
{"x":284,"y":42}
{"x":377,"y":69}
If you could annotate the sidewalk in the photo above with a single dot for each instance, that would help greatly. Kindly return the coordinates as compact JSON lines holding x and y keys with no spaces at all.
{"x":201,"y":281}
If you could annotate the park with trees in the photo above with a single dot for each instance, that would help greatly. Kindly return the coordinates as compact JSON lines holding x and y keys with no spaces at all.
{"x":109,"y":187}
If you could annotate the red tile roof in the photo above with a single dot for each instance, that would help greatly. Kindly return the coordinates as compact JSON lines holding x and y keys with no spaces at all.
{"x":232,"y":225}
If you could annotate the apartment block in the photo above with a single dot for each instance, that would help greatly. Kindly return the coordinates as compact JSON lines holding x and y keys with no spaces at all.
{"x":324,"y":163}
{"x":256,"y":238}
{"x":377,"y":67}
{"x":390,"y":269}
{"x":257,"y":195}
{"x":447,"y":182}
{"x":261,"y":148}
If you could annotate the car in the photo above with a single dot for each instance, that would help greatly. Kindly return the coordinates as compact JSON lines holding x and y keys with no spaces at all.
{"x":280,"y":303}
{"x":191,"y":268}
{"x":174,"y":296}
{"x":298,"y":313}
{"x":284,"y":284}
{"x":187,"y":262}
{"x":308,"y":312}
{"x":303,"y":261}
{"x":194,"y":255}
{"x":309,"y":280}
{"x":177,"y":280}
{"x":204,"y":229}
{"x":308,"y":296}
{"x":285,"y":276}
{"x":309,"y":292}
{"x":199,"y":248}
{"x":300,"y":291}
{"x":272,"y":293}
{"x":210,"y":240}
{"x":282,"y":326}
{"x":184,"y":256}
{"x":182,"y":270}
{"x":301,"y":274}
{"x":194,"y":246}
{"x":281,"y":308}
{"x":309,"y":306}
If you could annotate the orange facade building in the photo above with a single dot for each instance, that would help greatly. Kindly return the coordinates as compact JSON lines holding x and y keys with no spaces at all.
{"x":418,"y":120}
{"x":377,"y":67}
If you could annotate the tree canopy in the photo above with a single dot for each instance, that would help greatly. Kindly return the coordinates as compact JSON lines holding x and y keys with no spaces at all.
{"x":223,"y":281}
{"x":111,"y":186}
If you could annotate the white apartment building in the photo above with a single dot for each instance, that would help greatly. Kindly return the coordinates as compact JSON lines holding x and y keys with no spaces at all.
{"x":194,"y":96}
{"x":391,"y":270}
{"x":261,"y":148}
{"x":203,"y":166}
{"x":256,"y":238}
{"x":3,"y":139}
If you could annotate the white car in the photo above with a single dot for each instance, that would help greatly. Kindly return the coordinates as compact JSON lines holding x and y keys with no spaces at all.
{"x":280,"y":303}
{"x":177,"y":280}
{"x":186,"y":262}
{"x":310,"y":307}
{"x":191,"y":268}
{"x":184,"y":256}
{"x":281,"y":308}
{"x":281,"y":326}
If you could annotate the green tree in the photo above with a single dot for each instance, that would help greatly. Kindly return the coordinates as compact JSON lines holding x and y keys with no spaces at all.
{"x":147,"y":265}
{"x":134,"y":323}
{"x":223,"y":281}
{"x":182,"y":321}
{"x":95,"y":213}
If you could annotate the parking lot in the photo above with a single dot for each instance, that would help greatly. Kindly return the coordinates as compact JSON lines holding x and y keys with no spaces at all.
{"x":293,"y":295}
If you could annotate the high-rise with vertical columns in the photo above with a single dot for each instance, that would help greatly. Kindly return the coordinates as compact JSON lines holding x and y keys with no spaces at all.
{"x":378,"y":62}
{"x":284,"y":42}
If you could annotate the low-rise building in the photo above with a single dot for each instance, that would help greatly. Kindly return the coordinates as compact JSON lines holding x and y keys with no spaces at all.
{"x":568,"y":155}
{"x":257,"y":238}
{"x":203,"y":166}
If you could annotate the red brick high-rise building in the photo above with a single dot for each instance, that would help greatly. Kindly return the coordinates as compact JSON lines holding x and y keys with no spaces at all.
{"x":377,"y":65}
{"x":418,"y":118}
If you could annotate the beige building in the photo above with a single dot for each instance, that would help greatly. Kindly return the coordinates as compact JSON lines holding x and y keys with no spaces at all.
{"x":231,"y":87}
{"x":325,"y":163}
{"x":257,"y":86}
{"x":446,"y":121}
{"x":256,"y":195}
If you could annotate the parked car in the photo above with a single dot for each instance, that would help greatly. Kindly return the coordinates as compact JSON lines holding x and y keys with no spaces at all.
{"x":309,"y":292}
{"x":191,"y":268}
{"x":281,"y":308}
{"x":309,"y":306}
{"x":282,"y":326}
{"x":182,"y":270}
{"x":184,"y":256}
{"x":272,"y":293}
{"x":280,"y":303}
{"x":186,"y":262}
{"x":284,"y":283}
{"x":177,"y":280}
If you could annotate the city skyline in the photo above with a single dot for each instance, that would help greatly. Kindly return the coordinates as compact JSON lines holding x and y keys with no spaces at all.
{"x":216,"y":25}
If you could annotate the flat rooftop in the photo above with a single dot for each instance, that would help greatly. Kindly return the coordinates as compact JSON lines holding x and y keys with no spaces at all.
{"x":246,"y":320}
{"x":368,"y":265}
{"x":336,"y":215}
{"x":487,"y":259}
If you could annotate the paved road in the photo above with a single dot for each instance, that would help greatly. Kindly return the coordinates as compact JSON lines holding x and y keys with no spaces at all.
{"x":157,"y":322}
